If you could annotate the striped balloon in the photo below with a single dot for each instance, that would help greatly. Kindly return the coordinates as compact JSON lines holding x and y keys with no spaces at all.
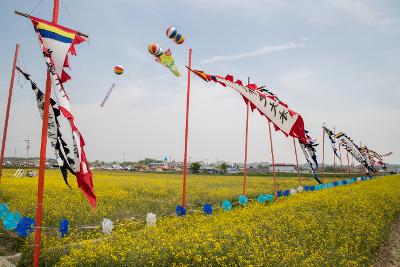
{"x":171,"y":32}
{"x":159,"y":53}
{"x":153,"y":48}
{"x":118,"y":69}
{"x":179,"y":38}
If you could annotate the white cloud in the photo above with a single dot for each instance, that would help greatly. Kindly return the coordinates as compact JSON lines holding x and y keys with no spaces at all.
{"x":259,"y":51}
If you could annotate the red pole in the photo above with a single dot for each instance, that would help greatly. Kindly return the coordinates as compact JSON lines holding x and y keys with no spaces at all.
{"x":186,"y":130}
{"x":334,"y":155}
{"x":273,"y":160}
{"x":340,"y":158}
{"x":323,"y":153}
{"x":362,"y":167}
{"x":297,"y":160}
{"x":43,"y":145}
{"x":348,"y":162}
{"x":245,"y":150}
{"x":352,"y":162}
{"x":3,"y":145}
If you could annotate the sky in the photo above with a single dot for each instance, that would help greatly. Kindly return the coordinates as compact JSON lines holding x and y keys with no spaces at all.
{"x":333,"y":61}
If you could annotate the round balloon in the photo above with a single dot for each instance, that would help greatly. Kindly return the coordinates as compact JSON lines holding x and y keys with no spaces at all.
{"x":153,"y":48}
{"x":118,"y":69}
{"x":159,"y":53}
{"x":179,"y":38}
{"x":171,"y":32}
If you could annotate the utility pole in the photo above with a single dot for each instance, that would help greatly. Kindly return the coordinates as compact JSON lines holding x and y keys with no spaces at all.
{"x":27,"y":151}
{"x":3,"y":144}
{"x":124,"y":157}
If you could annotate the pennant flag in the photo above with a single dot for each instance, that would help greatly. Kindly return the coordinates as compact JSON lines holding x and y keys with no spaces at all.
{"x":309,"y":152}
{"x":269,"y":105}
{"x":60,"y":147}
{"x":56,"y":42}
{"x":331,"y":137}
{"x":310,"y":155}
{"x":373,"y":156}
{"x":354,"y":150}
{"x":206,"y":77}
{"x":277,"y":112}
{"x":167,"y":60}
{"x":60,"y":41}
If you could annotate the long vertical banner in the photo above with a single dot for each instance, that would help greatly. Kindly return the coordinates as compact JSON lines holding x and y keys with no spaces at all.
{"x":56,"y":42}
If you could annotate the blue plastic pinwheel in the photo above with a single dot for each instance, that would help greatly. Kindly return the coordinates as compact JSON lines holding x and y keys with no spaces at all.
{"x":180,"y":211}
{"x":4,"y":211}
{"x":226,"y":205}
{"x":286,"y":193}
{"x":242,"y":200}
{"x":207,"y":209}
{"x":10,"y":222}
{"x":261,"y":198}
{"x":63,"y":227}
{"x":279,"y":193}
{"x":269,"y":197}
{"x":25,"y":226}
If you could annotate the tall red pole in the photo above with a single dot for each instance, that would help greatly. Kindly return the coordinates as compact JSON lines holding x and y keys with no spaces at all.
{"x":352,"y":162}
{"x":297,"y":160}
{"x":323,"y":153}
{"x":186,"y":131}
{"x":362,"y":167}
{"x":43,"y":145}
{"x":334,"y":155}
{"x":273,"y":160}
{"x":340,"y":158}
{"x":3,"y":145}
{"x":245,"y":150}
{"x":348,"y":163}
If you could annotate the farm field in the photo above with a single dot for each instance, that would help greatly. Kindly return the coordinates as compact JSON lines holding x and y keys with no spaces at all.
{"x":338,"y":226}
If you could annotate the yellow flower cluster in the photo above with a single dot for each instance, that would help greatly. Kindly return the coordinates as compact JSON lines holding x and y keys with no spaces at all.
{"x":342,"y":226}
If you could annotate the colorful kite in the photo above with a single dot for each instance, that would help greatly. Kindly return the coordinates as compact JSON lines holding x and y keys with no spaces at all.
{"x":61,"y":150}
{"x":167,"y":60}
{"x":107,"y":95}
{"x":56,"y":42}
{"x":284,"y":119}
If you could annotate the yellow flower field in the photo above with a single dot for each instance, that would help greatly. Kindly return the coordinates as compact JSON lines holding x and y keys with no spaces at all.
{"x":122,"y":195}
{"x":338,"y":226}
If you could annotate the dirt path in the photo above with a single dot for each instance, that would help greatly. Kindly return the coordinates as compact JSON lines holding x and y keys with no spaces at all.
{"x":389,"y":254}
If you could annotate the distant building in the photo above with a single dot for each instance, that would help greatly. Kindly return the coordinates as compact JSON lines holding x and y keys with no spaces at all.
{"x":211,"y":170}
{"x":282,"y":167}
{"x":156,"y":164}
{"x":232,"y":170}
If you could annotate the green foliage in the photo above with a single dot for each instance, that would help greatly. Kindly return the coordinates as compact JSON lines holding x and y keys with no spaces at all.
{"x":223,"y":167}
{"x":195,"y":167}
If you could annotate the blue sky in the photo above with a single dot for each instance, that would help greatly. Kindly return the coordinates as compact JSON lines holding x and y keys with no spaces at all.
{"x":332,"y":61}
